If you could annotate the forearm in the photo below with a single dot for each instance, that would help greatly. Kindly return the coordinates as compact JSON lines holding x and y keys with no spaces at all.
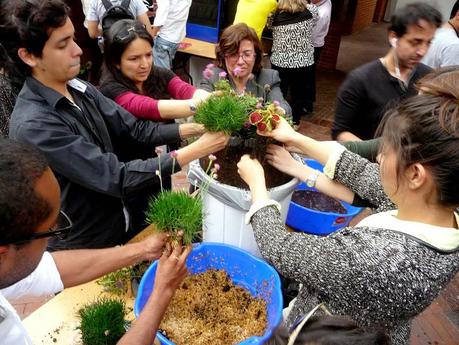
{"x":83,"y":265}
{"x":93,"y":29}
{"x":189,"y":153}
{"x":155,"y":30}
{"x":318,"y":150}
{"x":174,"y":109}
{"x":325,"y":185}
{"x":347,"y":136}
{"x":143,"y":330}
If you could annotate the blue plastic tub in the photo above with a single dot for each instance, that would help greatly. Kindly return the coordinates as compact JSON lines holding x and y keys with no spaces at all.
{"x":316,"y":222}
{"x":244,"y":269}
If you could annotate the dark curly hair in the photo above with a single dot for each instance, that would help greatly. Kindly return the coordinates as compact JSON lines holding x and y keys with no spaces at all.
{"x":28,"y":24}
{"x":21,"y":209}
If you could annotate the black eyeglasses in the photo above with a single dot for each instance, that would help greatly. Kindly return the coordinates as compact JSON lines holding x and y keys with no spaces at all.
{"x":135,"y":28}
{"x":60,"y":230}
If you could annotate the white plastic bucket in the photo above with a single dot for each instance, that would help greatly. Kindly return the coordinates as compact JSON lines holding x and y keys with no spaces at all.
{"x":225,"y":208}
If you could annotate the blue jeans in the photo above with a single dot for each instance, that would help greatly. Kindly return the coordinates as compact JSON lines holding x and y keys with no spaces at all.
{"x":164,"y":52}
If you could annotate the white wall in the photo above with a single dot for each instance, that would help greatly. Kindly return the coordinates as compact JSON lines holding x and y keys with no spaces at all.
{"x":444,"y":6}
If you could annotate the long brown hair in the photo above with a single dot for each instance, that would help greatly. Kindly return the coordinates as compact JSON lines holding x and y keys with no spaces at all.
{"x":231,"y":39}
{"x":425,"y":129}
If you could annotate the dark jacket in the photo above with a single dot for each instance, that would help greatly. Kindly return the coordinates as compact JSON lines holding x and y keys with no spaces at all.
{"x":366,"y":94}
{"x":81,"y":143}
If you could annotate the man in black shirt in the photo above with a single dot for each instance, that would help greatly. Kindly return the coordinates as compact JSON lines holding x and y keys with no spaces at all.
{"x":79,"y":130}
{"x":371,"y":89}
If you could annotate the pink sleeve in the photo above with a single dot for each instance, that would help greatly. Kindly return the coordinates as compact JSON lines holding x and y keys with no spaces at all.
{"x":178,"y":89}
{"x":140,"y":106}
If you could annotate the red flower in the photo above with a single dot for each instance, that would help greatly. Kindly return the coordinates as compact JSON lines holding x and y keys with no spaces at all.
{"x":255,"y":118}
{"x":275,"y":118}
{"x":261,"y":126}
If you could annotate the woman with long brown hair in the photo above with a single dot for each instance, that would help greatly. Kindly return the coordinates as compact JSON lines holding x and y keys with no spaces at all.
{"x":390,"y":266}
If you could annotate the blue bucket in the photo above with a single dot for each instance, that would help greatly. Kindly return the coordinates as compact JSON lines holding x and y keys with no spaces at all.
{"x":244,"y":269}
{"x":317,"y":222}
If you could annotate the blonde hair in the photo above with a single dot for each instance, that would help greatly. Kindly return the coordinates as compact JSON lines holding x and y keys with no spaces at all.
{"x":291,"y":6}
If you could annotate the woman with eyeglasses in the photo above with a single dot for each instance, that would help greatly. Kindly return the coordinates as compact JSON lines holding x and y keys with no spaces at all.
{"x":130,"y":79}
{"x":238,"y":58}
{"x":390,"y":266}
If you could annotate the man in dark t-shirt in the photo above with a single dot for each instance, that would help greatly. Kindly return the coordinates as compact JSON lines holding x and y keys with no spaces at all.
{"x":371,"y":89}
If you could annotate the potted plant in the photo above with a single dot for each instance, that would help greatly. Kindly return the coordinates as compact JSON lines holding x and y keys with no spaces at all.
{"x":227,"y":201}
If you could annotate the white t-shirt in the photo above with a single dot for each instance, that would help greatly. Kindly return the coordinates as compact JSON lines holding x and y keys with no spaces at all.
{"x":172,"y":15}
{"x":323,"y":23}
{"x":96,"y":9}
{"x":444,"y":50}
{"x":45,"y":280}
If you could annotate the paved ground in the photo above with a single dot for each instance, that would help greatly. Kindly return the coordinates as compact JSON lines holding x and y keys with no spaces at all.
{"x":438,"y":324}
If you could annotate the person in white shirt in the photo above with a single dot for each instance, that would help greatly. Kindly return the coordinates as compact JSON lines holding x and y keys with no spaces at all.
{"x":444,"y":50}
{"x":169,"y":29}
{"x":319,"y":33}
{"x":96,"y":10}
{"x":30,"y":214}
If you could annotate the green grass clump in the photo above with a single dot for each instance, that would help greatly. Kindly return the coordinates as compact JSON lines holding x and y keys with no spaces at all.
{"x":172,"y":211}
{"x":102,"y":322}
{"x":226,"y":112}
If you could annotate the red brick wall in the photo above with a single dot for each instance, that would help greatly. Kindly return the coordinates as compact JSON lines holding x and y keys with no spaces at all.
{"x":329,"y":54}
{"x":363,"y":14}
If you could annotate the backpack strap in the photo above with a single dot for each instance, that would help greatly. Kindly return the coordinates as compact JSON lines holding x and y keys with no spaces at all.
{"x":125,"y":4}
{"x":107,"y":4}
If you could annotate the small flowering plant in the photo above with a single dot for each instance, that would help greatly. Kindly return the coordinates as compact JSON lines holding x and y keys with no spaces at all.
{"x":175,"y":212}
{"x":234,"y":113}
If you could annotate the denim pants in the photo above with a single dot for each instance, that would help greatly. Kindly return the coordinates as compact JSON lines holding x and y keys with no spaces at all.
{"x":164,"y":52}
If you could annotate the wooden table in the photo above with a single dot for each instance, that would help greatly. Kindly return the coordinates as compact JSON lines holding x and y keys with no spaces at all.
{"x":55,"y":322}
{"x":198,"y":48}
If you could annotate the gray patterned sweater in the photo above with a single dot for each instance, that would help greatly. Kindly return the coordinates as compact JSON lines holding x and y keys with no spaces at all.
{"x":375,"y":275}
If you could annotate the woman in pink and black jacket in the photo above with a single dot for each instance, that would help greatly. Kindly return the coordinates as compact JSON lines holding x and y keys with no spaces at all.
{"x":130,"y":79}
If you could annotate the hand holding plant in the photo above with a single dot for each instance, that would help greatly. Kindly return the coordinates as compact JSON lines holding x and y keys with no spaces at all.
{"x":177,"y":213}
{"x":233,"y":112}
{"x":283,"y":133}
{"x":152,"y":246}
{"x":171,"y":268}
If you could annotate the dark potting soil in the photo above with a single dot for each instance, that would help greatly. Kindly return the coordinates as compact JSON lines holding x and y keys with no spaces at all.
{"x":317,"y":201}
{"x":209,"y":309}
{"x":232,"y":153}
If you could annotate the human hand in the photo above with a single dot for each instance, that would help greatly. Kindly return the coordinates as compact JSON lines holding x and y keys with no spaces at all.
{"x":283,"y":161}
{"x":171,"y":268}
{"x":211,"y":142}
{"x":253,"y":174}
{"x":200,"y":96}
{"x":153,"y":246}
{"x":283,"y":133}
{"x":191,"y":130}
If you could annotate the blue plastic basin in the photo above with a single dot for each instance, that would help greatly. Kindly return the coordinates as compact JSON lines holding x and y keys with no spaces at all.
{"x":317,"y":222}
{"x":244,"y":269}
